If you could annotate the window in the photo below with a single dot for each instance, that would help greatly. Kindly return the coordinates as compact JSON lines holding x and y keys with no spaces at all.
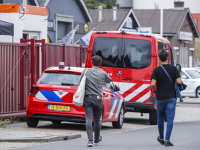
{"x":31,"y":35}
{"x":163,"y":46}
{"x":136,"y":54}
{"x":109,"y":50}
{"x":109,"y":85}
{"x":184,"y":55}
{"x":183,"y":74}
{"x":59,"y":79}
{"x":133,"y":54}
{"x":193,"y":74}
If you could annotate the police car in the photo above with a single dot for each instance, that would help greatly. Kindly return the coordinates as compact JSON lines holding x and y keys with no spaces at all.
{"x":51,"y":99}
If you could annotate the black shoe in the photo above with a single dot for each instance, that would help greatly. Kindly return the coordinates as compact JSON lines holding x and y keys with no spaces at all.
{"x":100,"y":139}
{"x":168,"y":143}
{"x":160,"y":141}
{"x":89,"y":144}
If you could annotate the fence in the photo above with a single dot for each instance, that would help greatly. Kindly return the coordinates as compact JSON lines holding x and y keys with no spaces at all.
{"x":21,"y":65}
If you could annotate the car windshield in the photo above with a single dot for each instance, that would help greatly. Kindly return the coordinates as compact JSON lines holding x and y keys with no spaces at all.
{"x":59,"y":79}
{"x":193,"y":74}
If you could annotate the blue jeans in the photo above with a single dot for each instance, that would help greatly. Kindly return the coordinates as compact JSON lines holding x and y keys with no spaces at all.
{"x":165,"y":106}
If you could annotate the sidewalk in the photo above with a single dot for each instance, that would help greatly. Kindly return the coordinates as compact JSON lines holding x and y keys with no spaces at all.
{"x":188,"y":100}
{"x":20,"y":132}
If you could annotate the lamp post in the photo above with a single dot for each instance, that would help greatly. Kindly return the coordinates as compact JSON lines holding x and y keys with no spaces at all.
{"x":161,"y":18}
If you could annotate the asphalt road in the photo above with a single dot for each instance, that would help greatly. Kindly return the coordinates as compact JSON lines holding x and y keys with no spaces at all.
{"x":185,"y":136}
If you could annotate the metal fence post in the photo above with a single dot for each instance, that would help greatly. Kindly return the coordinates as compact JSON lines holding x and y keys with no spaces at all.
{"x":43,"y":55}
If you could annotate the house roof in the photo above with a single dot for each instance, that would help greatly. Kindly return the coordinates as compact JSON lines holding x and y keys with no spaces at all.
{"x":81,"y":4}
{"x":107,"y":23}
{"x":172,"y":20}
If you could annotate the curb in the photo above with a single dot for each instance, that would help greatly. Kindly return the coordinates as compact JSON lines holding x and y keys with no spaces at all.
{"x":43,"y":140}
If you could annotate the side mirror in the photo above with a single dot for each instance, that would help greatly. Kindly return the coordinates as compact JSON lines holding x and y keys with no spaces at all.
{"x":116,"y":88}
{"x":178,"y":66}
{"x":183,"y":77}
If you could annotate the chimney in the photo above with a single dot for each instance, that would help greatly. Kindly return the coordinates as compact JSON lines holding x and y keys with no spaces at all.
{"x":100,"y":13}
{"x":114,"y":13}
{"x":179,"y":5}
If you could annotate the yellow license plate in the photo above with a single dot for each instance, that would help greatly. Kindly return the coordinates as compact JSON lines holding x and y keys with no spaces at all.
{"x":59,"y":107}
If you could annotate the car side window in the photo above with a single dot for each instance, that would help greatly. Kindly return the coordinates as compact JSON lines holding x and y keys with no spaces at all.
{"x":183,"y":74}
{"x":109,"y":85}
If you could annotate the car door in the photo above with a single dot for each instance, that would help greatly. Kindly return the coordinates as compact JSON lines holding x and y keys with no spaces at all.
{"x":187,"y":81}
{"x":111,"y":101}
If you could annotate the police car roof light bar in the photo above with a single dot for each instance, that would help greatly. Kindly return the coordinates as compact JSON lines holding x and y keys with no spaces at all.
{"x":61,"y":65}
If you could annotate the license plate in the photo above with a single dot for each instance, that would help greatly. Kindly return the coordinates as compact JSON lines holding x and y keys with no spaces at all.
{"x":58,"y":107}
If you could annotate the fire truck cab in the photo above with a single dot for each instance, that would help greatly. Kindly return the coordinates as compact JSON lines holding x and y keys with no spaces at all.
{"x":130,"y":58}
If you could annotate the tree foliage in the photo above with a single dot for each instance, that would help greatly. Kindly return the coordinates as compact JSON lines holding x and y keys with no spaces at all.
{"x":93,"y":4}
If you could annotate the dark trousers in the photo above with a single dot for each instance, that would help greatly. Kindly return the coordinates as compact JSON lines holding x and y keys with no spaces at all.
{"x":166,"y":106}
{"x":93,"y":107}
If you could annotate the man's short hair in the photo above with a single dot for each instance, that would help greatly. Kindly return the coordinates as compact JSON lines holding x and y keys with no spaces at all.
{"x":163,"y":55}
{"x":96,"y":60}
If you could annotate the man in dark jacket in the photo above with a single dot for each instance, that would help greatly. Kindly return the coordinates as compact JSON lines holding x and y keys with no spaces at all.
{"x":95,"y":78}
{"x":165,"y":95}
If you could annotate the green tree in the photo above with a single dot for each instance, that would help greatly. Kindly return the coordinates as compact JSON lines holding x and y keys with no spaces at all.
{"x":92,"y":4}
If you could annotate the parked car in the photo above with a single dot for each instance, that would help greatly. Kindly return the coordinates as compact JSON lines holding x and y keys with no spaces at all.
{"x":191,"y":77}
{"x":51,"y":98}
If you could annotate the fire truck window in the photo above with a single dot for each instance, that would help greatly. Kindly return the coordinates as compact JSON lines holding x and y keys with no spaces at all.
{"x":163,"y":46}
{"x":109,"y":49}
{"x":136,"y":53}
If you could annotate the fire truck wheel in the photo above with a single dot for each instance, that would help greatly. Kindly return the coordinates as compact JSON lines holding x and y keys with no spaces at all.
{"x":56,"y":121}
{"x":32,"y":122}
{"x":118,"y":124}
{"x":153,"y":117}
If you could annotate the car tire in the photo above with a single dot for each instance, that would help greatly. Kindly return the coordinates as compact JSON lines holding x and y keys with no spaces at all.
{"x":153,"y":117}
{"x":32,"y":122}
{"x":119,"y":123}
{"x":198,"y":92}
{"x":56,"y":121}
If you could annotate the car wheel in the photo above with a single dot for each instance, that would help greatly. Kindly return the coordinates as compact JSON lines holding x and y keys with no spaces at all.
{"x":56,"y":121}
{"x":118,"y":124}
{"x":198,"y":92}
{"x":153,"y":117}
{"x":32,"y":122}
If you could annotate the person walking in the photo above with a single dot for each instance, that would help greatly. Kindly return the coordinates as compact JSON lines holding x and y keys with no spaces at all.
{"x":95,"y":78}
{"x":165,"y":96}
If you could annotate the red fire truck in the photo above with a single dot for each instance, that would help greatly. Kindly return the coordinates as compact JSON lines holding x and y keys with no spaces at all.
{"x":130,"y":58}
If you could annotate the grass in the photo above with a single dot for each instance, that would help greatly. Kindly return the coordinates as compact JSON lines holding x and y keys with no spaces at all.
{"x":5,"y":121}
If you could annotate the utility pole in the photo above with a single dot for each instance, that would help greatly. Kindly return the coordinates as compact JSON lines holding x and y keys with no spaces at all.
{"x":161,"y":18}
